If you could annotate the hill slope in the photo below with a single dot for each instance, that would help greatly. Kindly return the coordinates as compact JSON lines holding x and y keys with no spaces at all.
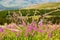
{"x":45,"y":5}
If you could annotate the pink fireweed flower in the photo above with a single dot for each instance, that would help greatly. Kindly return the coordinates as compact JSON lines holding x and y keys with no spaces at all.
{"x":30,"y":27}
{"x":47,"y":25}
{"x":1,"y":29}
{"x":9,"y":26}
{"x":54,"y":27}
{"x":26,"y":32}
{"x":14,"y":30}
{"x":40,"y":31}
{"x":47,"y":30}
{"x":49,"y":35}
{"x":17,"y":35}
{"x":12,"y":26}
{"x":33,"y":23}
{"x":40,"y":24}
{"x":24,"y":24}
{"x":35,"y":28}
{"x":20,"y":31}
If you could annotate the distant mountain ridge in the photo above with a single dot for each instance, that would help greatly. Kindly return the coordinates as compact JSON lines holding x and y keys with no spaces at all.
{"x":44,"y":5}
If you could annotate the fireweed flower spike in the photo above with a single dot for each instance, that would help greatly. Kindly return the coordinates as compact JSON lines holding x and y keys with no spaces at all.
{"x":46,"y":28}
{"x":30,"y":27}
{"x":1,"y":29}
{"x":26,"y":32}
{"x":14,"y":30}
{"x":33,"y":23}
{"x":9,"y":26}
{"x":54,"y":27}
{"x":12,"y":26}
{"x":24,"y":24}
{"x":35,"y":28}
{"x":49,"y":35}
{"x":40,"y":23}
{"x":40,"y":31}
{"x":17,"y":35}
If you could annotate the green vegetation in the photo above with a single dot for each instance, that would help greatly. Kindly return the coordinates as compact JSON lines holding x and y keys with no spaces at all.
{"x":46,"y":8}
{"x":25,"y":12}
{"x":25,"y":24}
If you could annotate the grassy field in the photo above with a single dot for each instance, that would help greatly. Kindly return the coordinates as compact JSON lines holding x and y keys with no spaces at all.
{"x":31,"y":27}
{"x":31,"y":31}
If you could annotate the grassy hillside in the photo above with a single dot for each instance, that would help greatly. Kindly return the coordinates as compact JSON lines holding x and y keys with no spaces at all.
{"x":44,"y":6}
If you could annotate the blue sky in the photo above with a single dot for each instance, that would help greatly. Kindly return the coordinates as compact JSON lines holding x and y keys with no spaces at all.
{"x":23,"y":3}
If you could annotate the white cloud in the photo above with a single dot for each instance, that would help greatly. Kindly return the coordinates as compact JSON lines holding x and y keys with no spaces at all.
{"x":6,"y":3}
{"x":57,"y":0}
{"x":22,"y":3}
